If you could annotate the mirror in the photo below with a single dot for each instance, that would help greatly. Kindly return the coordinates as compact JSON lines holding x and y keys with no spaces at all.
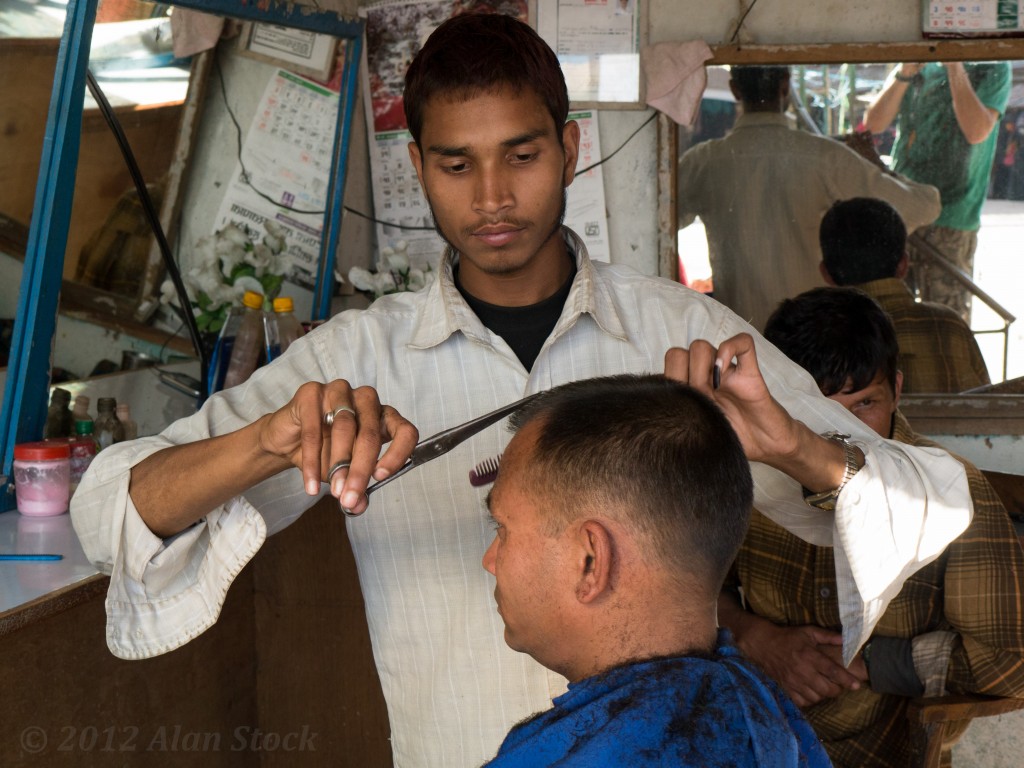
{"x":111,"y":267}
{"x":831,"y":99}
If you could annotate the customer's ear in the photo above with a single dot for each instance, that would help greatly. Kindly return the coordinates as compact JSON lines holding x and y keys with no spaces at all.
{"x":595,"y":552}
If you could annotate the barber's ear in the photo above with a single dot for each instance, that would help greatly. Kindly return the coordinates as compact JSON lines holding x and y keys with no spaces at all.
{"x":595,"y":548}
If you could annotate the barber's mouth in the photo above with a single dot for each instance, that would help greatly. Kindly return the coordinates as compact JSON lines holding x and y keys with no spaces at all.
{"x":497,"y":236}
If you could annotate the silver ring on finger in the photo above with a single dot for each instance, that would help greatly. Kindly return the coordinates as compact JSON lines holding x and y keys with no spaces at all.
{"x":330,"y":416}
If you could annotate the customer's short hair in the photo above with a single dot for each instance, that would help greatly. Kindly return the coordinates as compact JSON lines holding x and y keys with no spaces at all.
{"x":838,"y":335}
{"x":862,"y":239}
{"x":475,"y":53}
{"x":656,"y":455}
{"x":759,"y":84}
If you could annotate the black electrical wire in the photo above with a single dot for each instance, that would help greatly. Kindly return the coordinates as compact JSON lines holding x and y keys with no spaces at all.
{"x":154,"y":222}
{"x":613,"y":154}
{"x":743,"y":18}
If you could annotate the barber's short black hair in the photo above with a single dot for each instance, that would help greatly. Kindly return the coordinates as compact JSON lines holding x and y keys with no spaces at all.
{"x":757,"y":84}
{"x":476,"y":53}
{"x":838,"y":335}
{"x":862,"y":239}
{"x":658,"y":453}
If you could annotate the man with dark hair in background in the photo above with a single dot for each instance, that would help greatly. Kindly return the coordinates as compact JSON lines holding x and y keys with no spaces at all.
{"x":864,"y":244}
{"x":618,"y":508}
{"x":761,"y":192}
{"x":957,"y":626}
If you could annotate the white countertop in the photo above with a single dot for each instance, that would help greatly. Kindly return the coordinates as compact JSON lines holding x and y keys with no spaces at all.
{"x":23,"y":582}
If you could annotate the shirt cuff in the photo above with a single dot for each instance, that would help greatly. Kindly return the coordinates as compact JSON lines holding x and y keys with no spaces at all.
{"x":891,"y":667}
{"x":932,"y":652}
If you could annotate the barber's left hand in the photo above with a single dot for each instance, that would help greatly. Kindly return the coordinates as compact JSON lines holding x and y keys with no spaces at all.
{"x":764,"y":427}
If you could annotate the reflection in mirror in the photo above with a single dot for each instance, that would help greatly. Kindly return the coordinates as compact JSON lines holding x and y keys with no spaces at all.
{"x":767,"y":185}
{"x":110,"y":265}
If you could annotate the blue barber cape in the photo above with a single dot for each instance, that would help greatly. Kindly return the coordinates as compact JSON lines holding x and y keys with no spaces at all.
{"x":718,"y":710}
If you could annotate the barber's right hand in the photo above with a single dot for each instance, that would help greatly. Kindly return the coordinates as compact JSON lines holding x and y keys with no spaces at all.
{"x":361,"y":426}
{"x":799,"y":659}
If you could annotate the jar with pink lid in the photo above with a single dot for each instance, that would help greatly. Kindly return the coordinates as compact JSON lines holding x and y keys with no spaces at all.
{"x":41,"y":475}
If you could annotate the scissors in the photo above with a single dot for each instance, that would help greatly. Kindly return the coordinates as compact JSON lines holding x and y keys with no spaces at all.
{"x":438,"y":445}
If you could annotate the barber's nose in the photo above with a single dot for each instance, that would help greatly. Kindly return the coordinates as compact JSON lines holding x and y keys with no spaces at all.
{"x":493,"y":189}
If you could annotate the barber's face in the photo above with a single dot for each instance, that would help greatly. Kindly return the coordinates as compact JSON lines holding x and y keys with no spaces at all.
{"x":494,"y":172}
{"x":875,"y":404}
{"x":528,"y":565}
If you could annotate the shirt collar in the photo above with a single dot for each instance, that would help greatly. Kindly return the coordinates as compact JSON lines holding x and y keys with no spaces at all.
{"x":443,"y":310}
{"x":759,"y":119}
{"x":885,"y":288}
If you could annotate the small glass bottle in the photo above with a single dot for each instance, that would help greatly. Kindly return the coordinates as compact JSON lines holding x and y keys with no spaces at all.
{"x":83,"y":450}
{"x":81,"y":410}
{"x":108,"y":429}
{"x":131,"y":429}
{"x":245,"y":354}
{"x":59,"y":421}
{"x":281,"y":328}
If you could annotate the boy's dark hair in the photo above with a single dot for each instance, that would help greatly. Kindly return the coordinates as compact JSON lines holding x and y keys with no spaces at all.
{"x":838,"y":335}
{"x":862,"y":239}
{"x":655,"y":448}
{"x":476,"y":53}
{"x":759,"y":85}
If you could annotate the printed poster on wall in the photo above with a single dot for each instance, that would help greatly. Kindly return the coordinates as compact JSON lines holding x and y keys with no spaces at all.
{"x":287,"y":153}
{"x":395,"y":31}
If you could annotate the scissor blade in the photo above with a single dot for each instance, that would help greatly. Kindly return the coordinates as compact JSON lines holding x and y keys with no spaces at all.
{"x":442,"y":442}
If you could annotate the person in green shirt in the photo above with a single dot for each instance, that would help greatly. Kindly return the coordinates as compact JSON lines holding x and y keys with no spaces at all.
{"x":947,"y":114}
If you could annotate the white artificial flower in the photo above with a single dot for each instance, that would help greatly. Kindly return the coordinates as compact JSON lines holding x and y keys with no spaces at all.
{"x":275,"y":237}
{"x":247,"y":283}
{"x":415,"y":279}
{"x":362,"y":279}
{"x":230,"y":255}
{"x":397,"y":260}
{"x":259,"y":257}
{"x":168,"y":294}
{"x":235,"y":234}
{"x":204,"y":278}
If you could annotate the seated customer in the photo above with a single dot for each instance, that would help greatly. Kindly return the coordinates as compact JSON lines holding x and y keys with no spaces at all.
{"x":618,"y":507}
{"x":957,"y":626}
{"x":864,"y":244}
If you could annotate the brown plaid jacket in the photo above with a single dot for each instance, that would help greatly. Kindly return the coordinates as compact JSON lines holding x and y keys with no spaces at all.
{"x":938,"y":352}
{"x":975,"y":590}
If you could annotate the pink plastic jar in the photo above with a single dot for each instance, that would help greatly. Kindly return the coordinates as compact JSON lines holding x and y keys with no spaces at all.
{"x":41,"y":475}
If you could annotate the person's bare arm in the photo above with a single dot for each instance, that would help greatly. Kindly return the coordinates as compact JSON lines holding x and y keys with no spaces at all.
{"x":806,"y":661}
{"x":884,"y":109}
{"x":976,"y":121}
{"x":175,"y":487}
{"x":768,"y":433}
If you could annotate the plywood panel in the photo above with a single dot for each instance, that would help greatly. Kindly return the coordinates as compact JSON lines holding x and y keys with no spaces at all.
{"x":316,"y":669}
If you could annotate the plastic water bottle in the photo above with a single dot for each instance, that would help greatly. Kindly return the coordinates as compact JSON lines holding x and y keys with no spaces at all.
{"x":131,"y":429}
{"x":245,"y":352}
{"x":281,"y":328}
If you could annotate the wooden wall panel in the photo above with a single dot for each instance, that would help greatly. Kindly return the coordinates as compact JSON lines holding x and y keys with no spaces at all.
{"x":315,"y":666}
{"x":68,"y":702}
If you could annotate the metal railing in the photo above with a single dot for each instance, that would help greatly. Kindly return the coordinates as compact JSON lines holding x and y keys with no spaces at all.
{"x":936,"y":259}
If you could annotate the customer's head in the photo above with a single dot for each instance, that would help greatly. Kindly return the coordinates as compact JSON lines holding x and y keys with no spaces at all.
{"x":862,"y":239}
{"x":760,"y":88}
{"x":846,"y":341}
{"x":616,"y":495}
{"x":475,"y":53}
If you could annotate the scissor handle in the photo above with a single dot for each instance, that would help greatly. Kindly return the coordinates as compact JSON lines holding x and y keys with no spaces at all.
{"x":370,"y":488}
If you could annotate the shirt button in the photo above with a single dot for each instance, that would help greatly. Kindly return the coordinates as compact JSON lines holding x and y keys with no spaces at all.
{"x":825,"y":592}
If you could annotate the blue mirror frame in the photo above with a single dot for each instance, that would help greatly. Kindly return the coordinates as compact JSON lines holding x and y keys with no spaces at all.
{"x":26,"y":392}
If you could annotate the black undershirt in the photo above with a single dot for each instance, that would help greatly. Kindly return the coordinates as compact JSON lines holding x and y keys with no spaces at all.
{"x":524,"y":329}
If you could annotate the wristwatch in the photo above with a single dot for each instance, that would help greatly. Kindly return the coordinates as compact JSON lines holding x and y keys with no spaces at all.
{"x":826,"y":500}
